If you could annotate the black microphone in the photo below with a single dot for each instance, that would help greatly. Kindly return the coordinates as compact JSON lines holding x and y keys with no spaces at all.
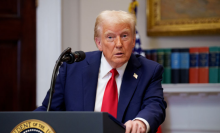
{"x":68,"y":57}
{"x":74,"y":57}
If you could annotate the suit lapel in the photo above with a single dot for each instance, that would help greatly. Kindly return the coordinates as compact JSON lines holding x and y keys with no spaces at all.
{"x":128,"y":86}
{"x":90,"y":77}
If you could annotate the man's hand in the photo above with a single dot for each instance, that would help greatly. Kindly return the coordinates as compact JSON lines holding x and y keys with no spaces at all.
{"x":135,"y":126}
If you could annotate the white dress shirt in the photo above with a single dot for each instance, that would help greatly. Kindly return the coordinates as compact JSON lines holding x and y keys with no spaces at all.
{"x":103,"y":78}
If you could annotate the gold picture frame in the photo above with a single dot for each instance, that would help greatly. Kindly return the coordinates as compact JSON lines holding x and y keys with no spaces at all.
{"x":183,"y":17}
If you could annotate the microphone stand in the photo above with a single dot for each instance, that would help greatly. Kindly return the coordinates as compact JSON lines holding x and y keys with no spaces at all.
{"x":54,"y":75}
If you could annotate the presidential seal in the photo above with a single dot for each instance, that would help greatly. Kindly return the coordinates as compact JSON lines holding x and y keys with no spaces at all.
{"x":33,"y":126}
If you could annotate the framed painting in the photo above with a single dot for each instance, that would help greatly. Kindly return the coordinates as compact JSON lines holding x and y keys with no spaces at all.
{"x":183,"y":17}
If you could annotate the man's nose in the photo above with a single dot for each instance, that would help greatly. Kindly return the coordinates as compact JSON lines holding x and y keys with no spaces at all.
{"x":118,"y":42}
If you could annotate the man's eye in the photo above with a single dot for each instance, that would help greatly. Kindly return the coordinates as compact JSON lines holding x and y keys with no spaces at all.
{"x":124,"y":36}
{"x":110,"y":38}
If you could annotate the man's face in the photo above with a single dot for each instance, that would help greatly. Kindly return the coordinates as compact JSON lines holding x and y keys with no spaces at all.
{"x":116,"y":41}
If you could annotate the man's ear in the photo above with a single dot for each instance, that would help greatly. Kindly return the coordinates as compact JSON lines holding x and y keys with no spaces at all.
{"x":98,"y":43}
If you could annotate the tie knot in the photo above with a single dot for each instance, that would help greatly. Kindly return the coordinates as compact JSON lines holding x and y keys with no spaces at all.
{"x":114,"y":72}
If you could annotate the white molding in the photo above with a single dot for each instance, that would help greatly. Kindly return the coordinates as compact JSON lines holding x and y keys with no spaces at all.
{"x":48,"y":44}
{"x":191,"y":88}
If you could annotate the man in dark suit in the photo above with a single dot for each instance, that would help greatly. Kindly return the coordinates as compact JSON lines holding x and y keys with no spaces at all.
{"x":138,"y":96}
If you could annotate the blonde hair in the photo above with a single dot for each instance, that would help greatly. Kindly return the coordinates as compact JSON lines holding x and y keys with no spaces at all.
{"x":116,"y":17}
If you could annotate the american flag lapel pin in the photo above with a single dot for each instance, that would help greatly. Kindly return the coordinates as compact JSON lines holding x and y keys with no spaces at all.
{"x":135,"y":75}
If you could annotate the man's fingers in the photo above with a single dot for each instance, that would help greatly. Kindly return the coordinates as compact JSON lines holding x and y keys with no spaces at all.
{"x":140,"y":130}
{"x":134,"y":127}
{"x":142,"y":127}
{"x":137,"y":128}
{"x":128,"y":125}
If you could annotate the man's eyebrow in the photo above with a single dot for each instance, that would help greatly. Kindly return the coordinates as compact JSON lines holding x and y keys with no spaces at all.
{"x":111,"y":32}
{"x":125,"y":31}
{"x":108,"y":32}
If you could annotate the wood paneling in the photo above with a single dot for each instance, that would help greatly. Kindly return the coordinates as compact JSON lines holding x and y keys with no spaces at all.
{"x":9,"y":75}
{"x":9,"y":8}
{"x":17,"y":55}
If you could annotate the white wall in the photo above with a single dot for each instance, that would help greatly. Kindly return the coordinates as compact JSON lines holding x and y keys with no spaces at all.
{"x":48,"y":43}
{"x":86,"y":12}
{"x":90,"y":9}
{"x":70,"y":23}
{"x":170,"y":42}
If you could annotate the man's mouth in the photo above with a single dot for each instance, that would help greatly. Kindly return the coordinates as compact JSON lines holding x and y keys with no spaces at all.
{"x":119,"y":53}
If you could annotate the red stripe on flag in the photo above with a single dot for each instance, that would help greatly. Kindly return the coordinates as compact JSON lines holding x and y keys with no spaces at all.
{"x":159,"y":130}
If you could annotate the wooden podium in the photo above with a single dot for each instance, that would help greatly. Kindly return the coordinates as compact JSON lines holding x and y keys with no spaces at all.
{"x":60,"y":122}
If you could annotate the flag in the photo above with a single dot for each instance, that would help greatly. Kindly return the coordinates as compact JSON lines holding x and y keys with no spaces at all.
{"x":133,"y":7}
{"x":137,"y":48}
{"x":159,"y":130}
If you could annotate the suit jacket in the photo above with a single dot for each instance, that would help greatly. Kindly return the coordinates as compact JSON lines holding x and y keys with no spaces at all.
{"x":76,"y":85}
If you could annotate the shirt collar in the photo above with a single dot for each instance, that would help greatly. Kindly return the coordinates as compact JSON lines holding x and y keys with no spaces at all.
{"x":105,"y":67}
